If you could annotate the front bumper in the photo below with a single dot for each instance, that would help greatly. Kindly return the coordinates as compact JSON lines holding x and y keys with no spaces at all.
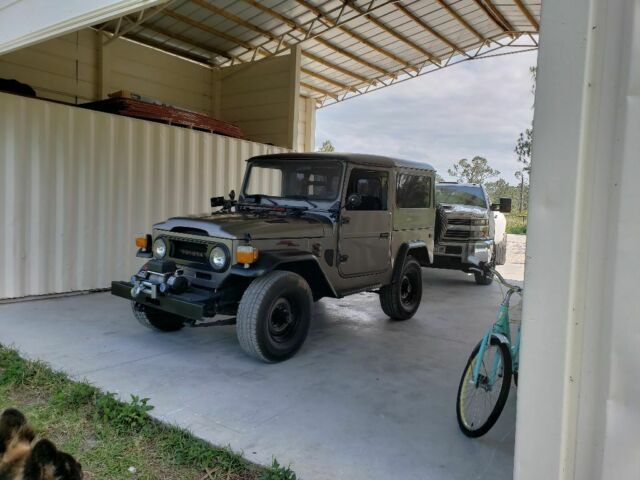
{"x":193,"y":304}
{"x":463,"y":252}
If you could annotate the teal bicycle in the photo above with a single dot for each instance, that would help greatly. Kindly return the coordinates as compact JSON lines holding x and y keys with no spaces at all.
{"x":486,"y":380}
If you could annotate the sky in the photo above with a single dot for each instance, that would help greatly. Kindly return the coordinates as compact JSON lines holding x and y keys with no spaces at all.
{"x":474,"y":108}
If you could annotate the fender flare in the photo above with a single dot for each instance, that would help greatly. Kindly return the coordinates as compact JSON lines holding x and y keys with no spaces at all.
{"x":272,"y":260}
{"x":401,"y":257}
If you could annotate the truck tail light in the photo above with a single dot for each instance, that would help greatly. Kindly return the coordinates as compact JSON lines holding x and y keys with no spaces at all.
{"x":246,"y":254}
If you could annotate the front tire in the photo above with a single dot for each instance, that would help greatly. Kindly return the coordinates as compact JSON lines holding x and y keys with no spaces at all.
{"x":479,"y":406}
{"x":274,"y":316}
{"x":401,"y":300}
{"x":486,"y":277}
{"x":157,"y":319}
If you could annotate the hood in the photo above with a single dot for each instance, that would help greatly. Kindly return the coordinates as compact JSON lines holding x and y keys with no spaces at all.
{"x":238,"y":225}
{"x":464,"y":211}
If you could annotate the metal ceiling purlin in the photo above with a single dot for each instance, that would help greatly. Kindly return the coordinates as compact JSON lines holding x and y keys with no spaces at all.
{"x":483,"y":51}
{"x":337,"y":18}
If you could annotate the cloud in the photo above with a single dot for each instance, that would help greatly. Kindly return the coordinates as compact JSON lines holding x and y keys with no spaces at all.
{"x":474,"y":108}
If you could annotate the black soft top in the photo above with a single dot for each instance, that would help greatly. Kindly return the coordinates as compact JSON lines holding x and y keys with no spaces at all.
{"x":357,"y":158}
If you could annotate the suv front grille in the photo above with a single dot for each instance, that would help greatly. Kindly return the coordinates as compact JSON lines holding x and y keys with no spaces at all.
{"x":458,"y":234}
{"x":459,"y":221}
{"x":194,"y":252}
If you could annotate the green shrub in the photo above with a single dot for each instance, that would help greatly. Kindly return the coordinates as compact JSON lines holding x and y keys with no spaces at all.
{"x":123,"y":416}
{"x":278,"y":472}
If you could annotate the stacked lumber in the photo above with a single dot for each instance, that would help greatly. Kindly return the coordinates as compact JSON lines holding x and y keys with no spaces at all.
{"x":124,"y":103}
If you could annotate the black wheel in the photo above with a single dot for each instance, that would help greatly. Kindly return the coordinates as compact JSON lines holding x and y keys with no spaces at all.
{"x":157,"y":319}
{"x":486,"y":277}
{"x":274,"y":316}
{"x":400,"y":300}
{"x":501,"y":251}
{"x":480,"y":404}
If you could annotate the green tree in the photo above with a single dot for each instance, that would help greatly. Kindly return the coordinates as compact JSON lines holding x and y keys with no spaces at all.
{"x":523,"y":150}
{"x":327,"y":146}
{"x":499,"y":188}
{"x":475,"y":171}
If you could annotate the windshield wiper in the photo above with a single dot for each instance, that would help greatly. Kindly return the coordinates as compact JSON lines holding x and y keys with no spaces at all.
{"x":302,"y":197}
{"x":259,"y":197}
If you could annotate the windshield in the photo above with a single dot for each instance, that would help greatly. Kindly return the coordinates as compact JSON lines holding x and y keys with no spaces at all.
{"x":460,"y":195}
{"x":304,"y":180}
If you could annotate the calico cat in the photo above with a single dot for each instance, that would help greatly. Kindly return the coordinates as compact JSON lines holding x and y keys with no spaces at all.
{"x":24,"y":458}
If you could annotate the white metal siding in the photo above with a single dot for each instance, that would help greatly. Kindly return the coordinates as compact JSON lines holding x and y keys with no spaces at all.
{"x":76,"y":185}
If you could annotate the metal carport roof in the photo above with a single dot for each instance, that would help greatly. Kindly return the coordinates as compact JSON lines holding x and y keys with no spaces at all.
{"x":349,"y":47}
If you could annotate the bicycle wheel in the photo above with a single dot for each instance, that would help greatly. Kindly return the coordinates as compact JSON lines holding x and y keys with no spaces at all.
{"x":479,"y":405}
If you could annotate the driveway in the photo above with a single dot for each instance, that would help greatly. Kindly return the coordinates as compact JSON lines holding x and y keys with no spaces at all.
{"x":365,"y":398}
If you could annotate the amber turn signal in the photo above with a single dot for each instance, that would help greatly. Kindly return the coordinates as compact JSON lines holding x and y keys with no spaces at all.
{"x":142,"y":241}
{"x":246,"y":254}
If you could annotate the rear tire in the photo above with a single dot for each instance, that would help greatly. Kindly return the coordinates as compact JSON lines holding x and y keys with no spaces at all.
{"x":157,"y":319}
{"x":401,"y":300}
{"x":470,"y":395}
{"x":274,"y":316}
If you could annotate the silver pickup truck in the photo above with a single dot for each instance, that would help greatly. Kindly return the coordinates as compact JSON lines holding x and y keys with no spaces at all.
{"x":468,"y":227}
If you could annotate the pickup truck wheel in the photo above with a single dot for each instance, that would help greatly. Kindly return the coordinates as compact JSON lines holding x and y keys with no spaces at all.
{"x":401,"y":299}
{"x":501,"y":251}
{"x":485,"y":278}
{"x":274,"y":316}
{"x":157,"y":319}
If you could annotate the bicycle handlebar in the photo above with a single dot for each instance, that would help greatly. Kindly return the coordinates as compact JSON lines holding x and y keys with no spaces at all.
{"x":483,"y":267}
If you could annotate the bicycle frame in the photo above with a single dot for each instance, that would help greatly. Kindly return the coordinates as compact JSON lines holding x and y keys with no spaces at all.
{"x":501,"y":331}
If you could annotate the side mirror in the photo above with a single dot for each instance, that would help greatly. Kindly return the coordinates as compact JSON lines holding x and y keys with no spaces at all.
{"x":354,"y":201}
{"x":495,"y":207}
{"x":217,"y":202}
{"x":505,"y":205}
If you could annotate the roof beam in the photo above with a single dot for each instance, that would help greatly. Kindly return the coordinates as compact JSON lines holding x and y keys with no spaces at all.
{"x":234,"y":18}
{"x":319,"y":90}
{"x":208,"y":29}
{"x":525,"y":11}
{"x":494,"y":14}
{"x":272,"y":37}
{"x":330,"y":81}
{"x":461,"y":20}
{"x":353,"y":34}
{"x":433,"y":58}
{"x":426,"y":26}
{"x":337,"y":68}
{"x":292,"y":24}
{"x":186,"y":40}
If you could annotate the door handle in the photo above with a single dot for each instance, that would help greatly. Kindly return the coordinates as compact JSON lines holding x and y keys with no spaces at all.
{"x":344,"y":220}
{"x":384,"y":235}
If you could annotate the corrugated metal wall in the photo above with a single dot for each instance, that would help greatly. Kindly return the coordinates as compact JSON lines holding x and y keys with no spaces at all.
{"x":76,"y":185}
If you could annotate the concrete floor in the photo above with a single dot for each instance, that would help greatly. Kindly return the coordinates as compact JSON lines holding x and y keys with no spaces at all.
{"x":365,"y":398}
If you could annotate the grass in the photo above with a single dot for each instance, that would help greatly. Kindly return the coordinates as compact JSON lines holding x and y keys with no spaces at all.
{"x":517,"y":223}
{"x":109,"y":436}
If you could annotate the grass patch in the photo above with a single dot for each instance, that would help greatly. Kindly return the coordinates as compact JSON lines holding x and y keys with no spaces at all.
{"x":109,"y":436}
{"x":517,"y":223}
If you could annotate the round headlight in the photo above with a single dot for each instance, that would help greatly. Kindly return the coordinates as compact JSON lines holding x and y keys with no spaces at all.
{"x":218,"y":257}
{"x":159,"y":248}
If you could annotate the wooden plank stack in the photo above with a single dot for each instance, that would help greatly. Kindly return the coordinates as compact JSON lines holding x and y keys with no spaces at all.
{"x":133,"y":105}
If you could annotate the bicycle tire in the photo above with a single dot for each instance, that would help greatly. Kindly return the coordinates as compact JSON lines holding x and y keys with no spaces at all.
{"x":471,"y":430}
